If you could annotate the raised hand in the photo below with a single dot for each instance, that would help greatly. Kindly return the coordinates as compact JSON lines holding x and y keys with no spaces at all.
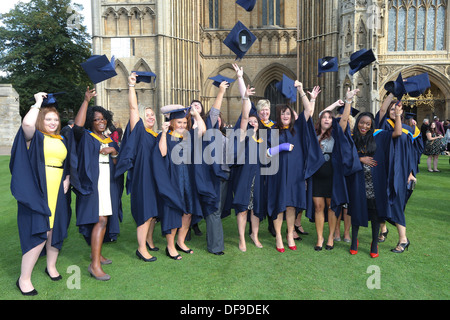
{"x":165,"y":127}
{"x":351,"y":94}
{"x":89,"y":94}
{"x":132,"y":78}
{"x":249,"y":92}
{"x":239,"y":71}
{"x":315,"y":92}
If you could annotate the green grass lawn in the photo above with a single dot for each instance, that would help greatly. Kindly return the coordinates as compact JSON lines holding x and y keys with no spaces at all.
{"x":420,"y":273}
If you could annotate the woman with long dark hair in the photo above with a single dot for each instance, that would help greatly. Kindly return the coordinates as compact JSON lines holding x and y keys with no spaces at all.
{"x":403,"y":166}
{"x":368,"y":188}
{"x":328,"y":183}
{"x":298,"y":157}
{"x":99,"y":203}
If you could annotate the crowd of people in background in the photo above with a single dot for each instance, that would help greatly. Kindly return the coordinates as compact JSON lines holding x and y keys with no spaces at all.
{"x":336,"y":168}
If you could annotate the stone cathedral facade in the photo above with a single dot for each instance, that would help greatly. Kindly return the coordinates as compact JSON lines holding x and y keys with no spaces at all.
{"x":181,"y":41}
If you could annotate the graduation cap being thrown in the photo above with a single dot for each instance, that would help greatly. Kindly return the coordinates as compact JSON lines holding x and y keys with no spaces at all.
{"x":415,"y":86}
{"x":239,"y":40}
{"x":360,"y":59}
{"x":219,"y":79}
{"x":248,"y":5}
{"x":145,"y":76}
{"x":287,"y":88}
{"x":353,"y":111}
{"x":99,"y":68}
{"x":328,"y":64}
{"x":174,"y":111}
{"x":397,"y":87}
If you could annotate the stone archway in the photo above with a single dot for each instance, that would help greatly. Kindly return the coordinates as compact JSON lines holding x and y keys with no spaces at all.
{"x":440,"y":87}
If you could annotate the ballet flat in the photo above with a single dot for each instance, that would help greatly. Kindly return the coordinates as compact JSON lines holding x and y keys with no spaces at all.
{"x":53,"y":278}
{"x":29,"y":293}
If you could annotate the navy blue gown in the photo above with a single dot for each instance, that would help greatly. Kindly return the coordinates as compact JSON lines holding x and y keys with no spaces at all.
{"x":179,"y":183}
{"x":400,"y":166}
{"x":28,"y":186}
{"x":287,"y":187}
{"x":357,"y":207}
{"x":87,"y":204}
{"x":135,"y":156}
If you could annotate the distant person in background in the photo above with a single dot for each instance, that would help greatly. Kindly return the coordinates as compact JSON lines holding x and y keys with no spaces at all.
{"x":65,"y":131}
{"x":424,"y":128}
{"x":439,"y":126}
{"x":433,"y":147}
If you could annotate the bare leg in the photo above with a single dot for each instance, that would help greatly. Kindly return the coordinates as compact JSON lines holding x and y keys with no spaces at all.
{"x":29,"y":260}
{"x":52,"y":256}
{"x":241,"y":224}
{"x":290,"y":220}
{"x":170,"y":238}
{"x":97,"y":236}
{"x":319,"y":218}
{"x":331,"y":223}
{"x":185,"y":225}
{"x":151,"y":229}
{"x":277,"y":223}
{"x":255,"y":230}
{"x":142,"y":232}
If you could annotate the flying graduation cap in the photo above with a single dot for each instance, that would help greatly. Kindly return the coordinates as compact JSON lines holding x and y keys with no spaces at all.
{"x":219,"y":79}
{"x":328,"y":64}
{"x":287,"y":88}
{"x":145,"y":76}
{"x":360,"y":59}
{"x":99,"y":68}
{"x":415,"y":86}
{"x":248,"y":5}
{"x":397,"y":87}
{"x":239,"y":40}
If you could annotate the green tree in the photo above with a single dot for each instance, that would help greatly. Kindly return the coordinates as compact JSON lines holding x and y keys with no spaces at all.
{"x":42,"y":44}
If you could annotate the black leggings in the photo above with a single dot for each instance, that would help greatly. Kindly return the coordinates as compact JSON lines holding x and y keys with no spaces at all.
{"x":375,"y":222}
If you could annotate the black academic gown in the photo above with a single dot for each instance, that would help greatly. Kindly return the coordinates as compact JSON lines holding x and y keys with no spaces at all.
{"x":87,"y":204}
{"x":180,"y":188}
{"x":28,"y":186}
{"x":357,"y":207}
{"x":287,"y":187}
{"x":135,"y":156}
{"x":344,"y":162}
{"x":400,"y":166}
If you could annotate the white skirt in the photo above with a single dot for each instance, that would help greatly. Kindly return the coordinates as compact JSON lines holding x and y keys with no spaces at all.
{"x":104,"y":194}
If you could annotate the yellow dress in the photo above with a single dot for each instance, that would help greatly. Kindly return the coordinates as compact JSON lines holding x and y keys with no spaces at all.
{"x":55,"y":153}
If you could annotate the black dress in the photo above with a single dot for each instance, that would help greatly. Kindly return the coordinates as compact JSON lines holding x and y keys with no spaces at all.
{"x":323,"y":178}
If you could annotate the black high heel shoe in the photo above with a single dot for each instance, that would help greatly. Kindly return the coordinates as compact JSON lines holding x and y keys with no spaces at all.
{"x":384,"y":235}
{"x":140,"y":256}
{"x":177,"y":257}
{"x":190,"y":251}
{"x":404,"y":247}
{"x":297,"y":229}
{"x":150,"y":248}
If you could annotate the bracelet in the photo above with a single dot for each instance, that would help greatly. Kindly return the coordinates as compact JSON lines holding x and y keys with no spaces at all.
{"x":244,"y":98}
{"x":312,"y":100}
{"x":35,"y":106}
{"x":131,"y":85}
{"x":398,"y":114}
{"x":349,"y":102}
{"x":112,"y":156}
{"x":302,"y":95}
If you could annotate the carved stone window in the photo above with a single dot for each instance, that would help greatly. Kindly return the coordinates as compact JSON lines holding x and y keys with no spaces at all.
{"x":271,"y":12}
{"x":417,"y":25}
